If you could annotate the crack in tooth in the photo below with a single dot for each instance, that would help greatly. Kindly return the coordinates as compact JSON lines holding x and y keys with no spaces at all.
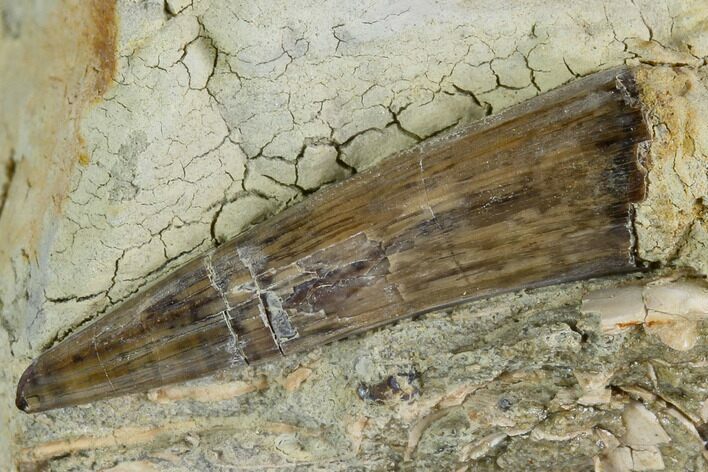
{"x":438,"y":224}
{"x":211,"y":274}
{"x":261,"y":296}
{"x":100,"y":362}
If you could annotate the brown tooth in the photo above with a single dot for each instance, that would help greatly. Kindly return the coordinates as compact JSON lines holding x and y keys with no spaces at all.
{"x":537,"y":195}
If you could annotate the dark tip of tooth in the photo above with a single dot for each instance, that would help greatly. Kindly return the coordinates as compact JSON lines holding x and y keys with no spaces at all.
{"x":21,"y":403}
{"x":21,"y":399}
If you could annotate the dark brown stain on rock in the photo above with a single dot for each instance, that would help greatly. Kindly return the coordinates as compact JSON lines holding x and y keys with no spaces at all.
{"x":9,"y":174}
{"x":103,"y":37}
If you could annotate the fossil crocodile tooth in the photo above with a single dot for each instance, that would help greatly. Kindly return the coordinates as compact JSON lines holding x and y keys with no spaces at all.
{"x":539,"y":194}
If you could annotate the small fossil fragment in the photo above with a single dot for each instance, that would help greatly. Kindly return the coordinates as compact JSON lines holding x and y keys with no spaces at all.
{"x":594,"y":386}
{"x":670,"y":310}
{"x":642,"y":427}
{"x":539,"y":194}
{"x":618,"y":308}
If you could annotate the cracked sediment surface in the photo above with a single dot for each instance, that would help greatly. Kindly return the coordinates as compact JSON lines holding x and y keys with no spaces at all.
{"x":185,"y":122}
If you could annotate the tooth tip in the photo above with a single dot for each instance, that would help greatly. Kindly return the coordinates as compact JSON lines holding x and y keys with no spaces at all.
{"x":21,"y":400}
